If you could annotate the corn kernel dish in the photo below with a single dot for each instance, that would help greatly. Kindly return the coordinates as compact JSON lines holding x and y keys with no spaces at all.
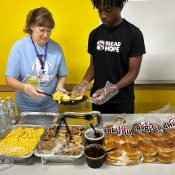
{"x":20,"y":141}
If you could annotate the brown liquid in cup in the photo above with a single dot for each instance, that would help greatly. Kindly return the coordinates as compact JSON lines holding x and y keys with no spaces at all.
{"x":95,"y":155}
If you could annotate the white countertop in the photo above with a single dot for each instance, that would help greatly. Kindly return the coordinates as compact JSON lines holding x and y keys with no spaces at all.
{"x":80,"y":167}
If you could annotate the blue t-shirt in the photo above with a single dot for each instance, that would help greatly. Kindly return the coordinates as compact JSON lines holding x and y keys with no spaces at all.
{"x":24,"y":65}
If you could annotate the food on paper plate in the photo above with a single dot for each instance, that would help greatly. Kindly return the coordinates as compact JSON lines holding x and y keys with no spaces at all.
{"x":58,"y":96}
{"x":62,"y":97}
{"x":65,"y":98}
{"x":80,"y":97}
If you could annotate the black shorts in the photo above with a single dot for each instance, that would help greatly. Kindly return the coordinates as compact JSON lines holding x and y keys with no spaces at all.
{"x":115,"y":108}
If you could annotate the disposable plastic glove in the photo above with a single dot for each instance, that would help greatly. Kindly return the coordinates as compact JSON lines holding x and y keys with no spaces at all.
{"x":33,"y":91}
{"x":80,"y":89}
{"x":102,"y":95}
{"x":61,"y":89}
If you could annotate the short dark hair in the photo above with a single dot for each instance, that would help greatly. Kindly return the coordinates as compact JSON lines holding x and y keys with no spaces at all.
{"x":39,"y":16}
{"x":111,"y":3}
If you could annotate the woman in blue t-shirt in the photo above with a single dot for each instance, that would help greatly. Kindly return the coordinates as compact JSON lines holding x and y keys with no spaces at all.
{"x":36,"y":63}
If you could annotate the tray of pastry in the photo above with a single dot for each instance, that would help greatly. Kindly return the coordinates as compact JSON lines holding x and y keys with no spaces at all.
{"x":84,"y":118}
{"x":19,"y":142}
{"x":38,"y":118}
{"x":59,"y":146}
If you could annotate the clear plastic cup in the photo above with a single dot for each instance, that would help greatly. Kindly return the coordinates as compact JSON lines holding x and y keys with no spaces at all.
{"x":91,"y":138}
{"x":95,"y":155}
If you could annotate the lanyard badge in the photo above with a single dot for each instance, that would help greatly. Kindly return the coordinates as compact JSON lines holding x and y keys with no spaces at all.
{"x":42,"y":75}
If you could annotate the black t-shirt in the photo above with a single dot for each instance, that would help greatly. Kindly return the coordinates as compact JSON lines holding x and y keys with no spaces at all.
{"x":111,"y":50}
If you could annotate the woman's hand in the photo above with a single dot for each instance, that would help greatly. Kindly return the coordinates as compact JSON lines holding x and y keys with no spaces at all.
{"x":33,"y":91}
{"x":62,"y":90}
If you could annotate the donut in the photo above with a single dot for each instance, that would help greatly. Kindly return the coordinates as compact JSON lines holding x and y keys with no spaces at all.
{"x":166,"y":149}
{"x":158,"y":136}
{"x":147,"y":148}
{"x":113,"y":154}
{"x":170,"y":132}
{"x":142,"y":135}
{"x":131,"y":151}
{"x":166,"y":159}
{"x":130,"y":139}
{"x":149,"y":159}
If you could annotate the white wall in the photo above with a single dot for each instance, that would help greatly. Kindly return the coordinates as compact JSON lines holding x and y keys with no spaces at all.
{"x":156,"y":20}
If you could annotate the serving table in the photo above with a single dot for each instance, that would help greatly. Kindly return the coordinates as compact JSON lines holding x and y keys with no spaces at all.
{"x":80,"y":167}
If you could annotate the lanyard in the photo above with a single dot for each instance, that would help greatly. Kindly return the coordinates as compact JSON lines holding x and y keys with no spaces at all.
{"x":42,"y":62}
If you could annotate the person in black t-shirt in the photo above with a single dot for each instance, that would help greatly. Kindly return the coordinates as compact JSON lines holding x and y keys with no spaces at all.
{"x":116,"y":48}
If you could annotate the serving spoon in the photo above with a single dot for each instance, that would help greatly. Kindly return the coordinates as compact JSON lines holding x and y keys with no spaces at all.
{"x":97,"y":134}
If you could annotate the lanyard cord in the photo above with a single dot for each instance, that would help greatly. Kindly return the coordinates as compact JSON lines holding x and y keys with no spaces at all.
{"x":42,"y":62}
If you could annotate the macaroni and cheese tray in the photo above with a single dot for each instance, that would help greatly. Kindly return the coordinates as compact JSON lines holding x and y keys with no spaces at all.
{"x":20,"y":141}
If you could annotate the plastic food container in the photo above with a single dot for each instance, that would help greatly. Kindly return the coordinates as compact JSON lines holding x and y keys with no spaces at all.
{"x":92,"y":138}
{"x":95,"y":155}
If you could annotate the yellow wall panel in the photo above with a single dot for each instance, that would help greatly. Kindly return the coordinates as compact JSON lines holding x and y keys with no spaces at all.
{"x":149,"y":100}
{"x":74,"y":21}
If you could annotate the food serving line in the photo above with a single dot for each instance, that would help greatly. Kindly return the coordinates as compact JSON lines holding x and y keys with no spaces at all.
{"x":35,"y":166}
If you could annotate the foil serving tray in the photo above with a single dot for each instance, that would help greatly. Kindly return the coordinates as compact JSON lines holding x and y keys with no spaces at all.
{"x":38,"y":118}
{"x":84,"y":118}
{"x":60,"y":157}
{"x":23,"y":158}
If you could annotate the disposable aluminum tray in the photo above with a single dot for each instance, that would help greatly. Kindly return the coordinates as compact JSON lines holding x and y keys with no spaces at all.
{"x":38,"y":118}
{"x":21,"y":159}
{"x":84,"y":118}
{"x":60,"y":158}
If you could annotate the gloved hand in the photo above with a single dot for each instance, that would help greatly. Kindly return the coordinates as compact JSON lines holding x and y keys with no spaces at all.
{"x":80,"y":89}
{"x":33,"y":91}
{"x":61,"y":89}
{"x":102,"y":95}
